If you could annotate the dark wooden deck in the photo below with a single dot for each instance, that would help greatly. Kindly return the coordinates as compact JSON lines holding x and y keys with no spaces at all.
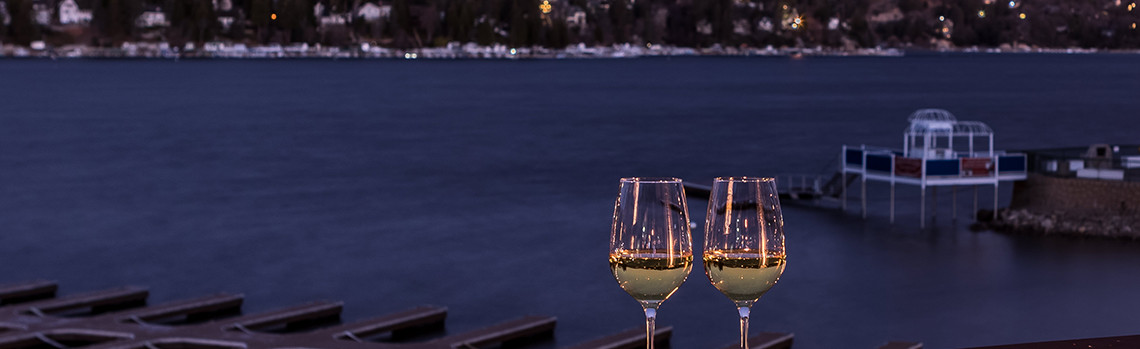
{"x":32,"y":317}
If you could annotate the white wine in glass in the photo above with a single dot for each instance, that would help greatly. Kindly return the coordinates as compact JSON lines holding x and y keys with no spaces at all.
{"x":651,"y":249}
{"x":744,"y":241}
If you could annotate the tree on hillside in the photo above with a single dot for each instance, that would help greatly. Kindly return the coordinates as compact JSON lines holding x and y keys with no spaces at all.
{"x":401,"y":22}
{"x":293,"y":19}
{"x":261,"y":16}
{"x":115,"y":19}
{"x":518,"y":34}
{"x":205,"y":24}
{"x":622,"y":19}
{"x":22,"y":29}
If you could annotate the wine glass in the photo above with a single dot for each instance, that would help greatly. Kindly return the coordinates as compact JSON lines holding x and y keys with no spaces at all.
{"x":744,"y":241}
{"x":651,"y":248}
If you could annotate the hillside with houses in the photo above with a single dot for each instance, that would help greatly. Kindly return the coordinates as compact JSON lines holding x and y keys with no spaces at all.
{"x":194,"y":25}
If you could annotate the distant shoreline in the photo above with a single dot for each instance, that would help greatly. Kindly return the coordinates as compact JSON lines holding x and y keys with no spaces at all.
{"x":219,"y":50}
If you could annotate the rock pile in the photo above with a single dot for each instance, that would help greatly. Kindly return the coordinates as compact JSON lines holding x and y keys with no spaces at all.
{"x":1020,"y":221}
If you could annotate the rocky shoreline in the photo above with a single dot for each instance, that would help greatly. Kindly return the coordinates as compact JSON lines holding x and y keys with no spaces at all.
{"x":162,"y":50}
{"x":451,"y":51}
{"x":1020,"y":221}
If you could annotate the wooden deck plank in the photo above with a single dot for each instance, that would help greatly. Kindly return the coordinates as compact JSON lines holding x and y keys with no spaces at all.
{"x":1101,"y":342}
{"x":408,"y":318}
{"x":901,"y":345}
{"x":767,"y":340}
{"x":628,"y":339}
{"x":115,"y":296}
{"x":209,"y":303}
{"x":28,"y":290}
{"x":315,"y":310}
{"x":523,"y":327}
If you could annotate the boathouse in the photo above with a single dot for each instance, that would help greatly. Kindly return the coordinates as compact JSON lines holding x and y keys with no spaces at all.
{"x":938,"y":150}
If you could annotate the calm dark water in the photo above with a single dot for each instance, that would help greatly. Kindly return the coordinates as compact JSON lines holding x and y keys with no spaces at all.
{"x":487,"y":186}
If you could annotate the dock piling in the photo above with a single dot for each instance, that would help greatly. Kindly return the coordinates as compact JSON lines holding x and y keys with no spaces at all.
{"x":975,"y":202}
{"x":934,"y":204}
{"x":995,"y":198}
{"x":863,"y":196}
{"x":892,"y":202}
{"x":954,"y":203}
{"x":843,"y":193}
{"x":922,"y":208}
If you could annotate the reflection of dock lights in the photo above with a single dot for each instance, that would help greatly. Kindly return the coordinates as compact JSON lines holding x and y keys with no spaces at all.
{"x":545,"y":6}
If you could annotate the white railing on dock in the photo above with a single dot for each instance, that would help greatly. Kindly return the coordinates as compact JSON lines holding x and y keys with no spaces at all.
{"x":797,"y":184}
{"x":953,"y":169}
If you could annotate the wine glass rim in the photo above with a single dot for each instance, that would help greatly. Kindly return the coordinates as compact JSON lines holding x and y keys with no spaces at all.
{"x":746,"y":179}
{"x":652,"y":179}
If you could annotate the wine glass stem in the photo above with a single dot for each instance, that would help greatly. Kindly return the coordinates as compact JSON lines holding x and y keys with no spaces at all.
{"x":650,"y":326}
{"x":743,"y":327}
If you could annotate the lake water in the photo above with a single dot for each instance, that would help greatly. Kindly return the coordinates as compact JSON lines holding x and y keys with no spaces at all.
{"x":488,"y":187}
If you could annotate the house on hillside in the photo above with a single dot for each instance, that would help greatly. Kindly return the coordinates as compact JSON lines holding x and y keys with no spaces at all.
{"x":151,"y":18}
{"x":371,"y":12}
{"x":223,"y":5}
{"x":575,"y":17}
{"x":42,"y":11}
{"x":325,"y":17}
{"x":72,"y":12}
{"x":227,"y":18}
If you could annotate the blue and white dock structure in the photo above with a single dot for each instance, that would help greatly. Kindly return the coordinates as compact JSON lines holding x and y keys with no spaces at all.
{"x":931,"y":157}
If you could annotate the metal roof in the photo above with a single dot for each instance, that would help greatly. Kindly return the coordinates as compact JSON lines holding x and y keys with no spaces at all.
{"x":939,"y":121}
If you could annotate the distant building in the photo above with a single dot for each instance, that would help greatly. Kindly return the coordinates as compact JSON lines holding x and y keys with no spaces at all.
{"x":226,"y":22}
{"x":223,"y":5}
{"x":371,"y":12}
{"x":336,"y":19}
{"x":325,"y":19}
{"x":765,"y":24}
{"x":704,"y":27}
{"x":226,"y":18}
{"x":890,"y":16}
{"x":42,"y":11}
{"x":741,"y":27}
{"x":576,"y":17}
{"x":71,"y":13}
{"x":791,"y":20}
{"x":154,"y":17}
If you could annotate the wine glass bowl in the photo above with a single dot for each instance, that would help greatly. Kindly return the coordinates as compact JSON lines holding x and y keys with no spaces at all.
{"x":744,"y":241}
{"x":650,"y":242}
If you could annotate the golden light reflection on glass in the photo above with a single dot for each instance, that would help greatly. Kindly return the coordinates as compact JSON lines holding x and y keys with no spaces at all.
{"x":744,"y":241}
{"x":650,"y":242}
